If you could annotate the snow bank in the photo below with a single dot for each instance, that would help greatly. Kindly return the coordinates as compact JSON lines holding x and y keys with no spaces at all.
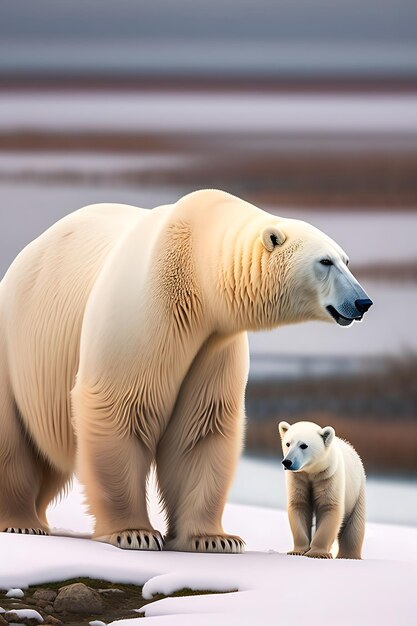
{"x":271,"y":585}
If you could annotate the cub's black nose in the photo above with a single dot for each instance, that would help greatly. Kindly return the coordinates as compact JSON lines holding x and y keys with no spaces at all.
{"x":287,"y":463}
{"x":363,"y":305}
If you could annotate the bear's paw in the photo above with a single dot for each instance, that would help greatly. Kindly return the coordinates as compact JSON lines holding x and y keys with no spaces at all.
{"x":135,"y":540}
{"x":298,"y":551}
{"x":231,"y":544}
{"x":318,"y":554}
{"x":26,"y":531}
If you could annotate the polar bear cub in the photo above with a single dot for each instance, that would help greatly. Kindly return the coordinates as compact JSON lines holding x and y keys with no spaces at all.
{"x":325,"y":478}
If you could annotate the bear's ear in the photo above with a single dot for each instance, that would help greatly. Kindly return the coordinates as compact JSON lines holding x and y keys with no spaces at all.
{"x":328,"y":435}
{"x":283,"y":427}
{"x":271,"y":237}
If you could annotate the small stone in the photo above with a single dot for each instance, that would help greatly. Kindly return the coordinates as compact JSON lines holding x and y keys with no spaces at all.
{"x":78,"y":598}
{"x":2,"y":621}
{"x":49,"y":608}
{"x":47,"y":595}
{"x":110,"y":590}
{"x":15,"y":593}
{"x":54,"y":621}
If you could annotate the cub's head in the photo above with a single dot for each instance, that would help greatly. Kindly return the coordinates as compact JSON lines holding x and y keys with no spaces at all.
{"x":308,"y":276}
{"x":305,"y":445}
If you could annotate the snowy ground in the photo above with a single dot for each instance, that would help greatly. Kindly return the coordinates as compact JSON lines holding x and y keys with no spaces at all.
{"x":271,"y":586}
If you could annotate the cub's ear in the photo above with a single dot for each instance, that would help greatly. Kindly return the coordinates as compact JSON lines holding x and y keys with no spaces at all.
{"x":271,"y":237}
{"x":328,"y":435}
{"x":283,"y":427}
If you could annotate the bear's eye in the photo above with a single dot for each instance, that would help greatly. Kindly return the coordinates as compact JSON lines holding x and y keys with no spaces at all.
{"x":303,"y":446}
{"x":288,"y":445}
{"x":326,"y":262}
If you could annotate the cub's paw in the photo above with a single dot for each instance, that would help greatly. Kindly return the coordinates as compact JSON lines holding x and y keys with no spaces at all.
{"x":299,"y":551}
{"x":318,"y":554}
{"x":218,"y":543}
{"x":135,"y":540}
{"x":26,"y":531}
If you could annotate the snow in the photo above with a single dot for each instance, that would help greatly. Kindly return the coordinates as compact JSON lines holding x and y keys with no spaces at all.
{"x":97,"y":622}
{"x":27,"y":614}
{"x":208,"y":112}
{"x":263,"y":585}
{"x":15,"y":593}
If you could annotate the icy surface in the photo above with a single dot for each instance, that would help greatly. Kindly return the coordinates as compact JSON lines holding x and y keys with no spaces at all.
{"x":264,"y":584}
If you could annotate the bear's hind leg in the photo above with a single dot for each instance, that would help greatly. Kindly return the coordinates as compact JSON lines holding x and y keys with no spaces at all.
{"x":113,"y":468}
{"x":52,"y":485}
{"x":353,"y":531}
{"x":20,"y":473}
{"x":197,"y":456}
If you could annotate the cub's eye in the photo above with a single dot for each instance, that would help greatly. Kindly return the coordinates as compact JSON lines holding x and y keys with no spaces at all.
{"x":326,"y":262}
{"x":288,"y":445}
{"x":303,"y":446}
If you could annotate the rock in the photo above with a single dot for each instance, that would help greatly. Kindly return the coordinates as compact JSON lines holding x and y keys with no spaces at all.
{"x":15,"y":593}
{"x":78,"y":598}
{"x":110,"y":590}
{"x":54,"y":621}
{"x":48,"y":595}
{"x":37,"y":602}
{"x":2,"y":620}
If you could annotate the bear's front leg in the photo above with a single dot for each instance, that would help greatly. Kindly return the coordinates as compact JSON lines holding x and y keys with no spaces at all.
{"x":300,"y":513}
{"x":113,"y":465}
{"x":328,"y":522}
{"x":197,"y":456}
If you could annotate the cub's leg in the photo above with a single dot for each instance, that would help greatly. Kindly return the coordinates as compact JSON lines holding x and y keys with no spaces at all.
{"x":300,"y":512}
{"x":353,"y":531}
{"x":20,"y":471}
{"x":197,"y":456}
{"x":328,"y":521}
{"x":113,"y":464}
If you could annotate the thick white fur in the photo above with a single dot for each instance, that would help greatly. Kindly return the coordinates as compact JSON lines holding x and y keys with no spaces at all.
{"x":329,"y":482}
{"x":122,"y":342}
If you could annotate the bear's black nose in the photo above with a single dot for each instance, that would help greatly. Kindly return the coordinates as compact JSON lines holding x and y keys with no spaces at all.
{"x":363,"y":305}
{"x":287,"y":463}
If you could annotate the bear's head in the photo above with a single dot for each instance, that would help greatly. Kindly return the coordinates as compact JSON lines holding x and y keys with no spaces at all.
{"x":306,"y":276}
{"x":305,"y":446}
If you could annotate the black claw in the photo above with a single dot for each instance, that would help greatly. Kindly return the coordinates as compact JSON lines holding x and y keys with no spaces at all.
{"x":26,"y":531}
{"x":213,"y":544}
{"x":197,"y":544}
{"x":207,"y":545}
{"x":34,"y":531}
{"x":129,"y":539}
{"x":20,"y":530}
{"x":119,"y":539}
{"x":139,"y":540}
{"x":147,"y":540}
{"x":223,"y":543}
{"x":157,"y":543}
{"x":12,"y":530}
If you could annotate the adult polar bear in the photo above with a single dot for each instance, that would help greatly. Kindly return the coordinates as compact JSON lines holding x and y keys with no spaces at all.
{"x":124,"y":329}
